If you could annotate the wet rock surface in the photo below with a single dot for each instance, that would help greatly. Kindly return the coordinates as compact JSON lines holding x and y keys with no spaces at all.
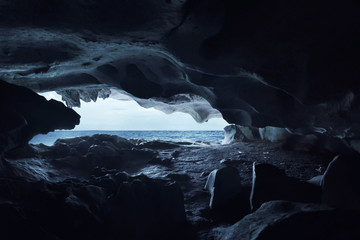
{"x":291,"y":220}
{"x":96,"y":175}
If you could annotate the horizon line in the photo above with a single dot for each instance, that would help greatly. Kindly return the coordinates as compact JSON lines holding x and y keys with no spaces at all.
{"x":197,"y":130}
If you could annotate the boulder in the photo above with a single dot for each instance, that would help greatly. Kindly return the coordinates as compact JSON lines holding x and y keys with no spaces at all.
{"x":223,"y":185}
{"x":81,"y":155}
{"x":229,"y":198}
{"x":283,"y":220}
{"x":237,"y":133}
{"x":271,"y":183}
{"x":112,"y":205}
{"x":147,"y":209}
{"x":341,"y":181}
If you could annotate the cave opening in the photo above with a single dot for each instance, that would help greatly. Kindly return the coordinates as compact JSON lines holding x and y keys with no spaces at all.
{"x":120,"y":115}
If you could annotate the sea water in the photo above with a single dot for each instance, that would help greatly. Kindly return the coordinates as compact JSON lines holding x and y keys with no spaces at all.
{"x":175,"y":136}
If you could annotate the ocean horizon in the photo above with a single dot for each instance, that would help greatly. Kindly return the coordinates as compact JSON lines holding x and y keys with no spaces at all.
{"x":210,"y":136}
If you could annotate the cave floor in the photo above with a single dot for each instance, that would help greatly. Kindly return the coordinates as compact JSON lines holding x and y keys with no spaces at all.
{"x":197,"y":161}
{"x":189,"y":165}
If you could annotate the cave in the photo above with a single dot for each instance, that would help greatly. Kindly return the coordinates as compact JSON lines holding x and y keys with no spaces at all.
{"x":283,"y":74}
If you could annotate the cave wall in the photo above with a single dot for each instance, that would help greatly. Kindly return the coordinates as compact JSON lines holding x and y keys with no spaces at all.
{"x":25,"y":114}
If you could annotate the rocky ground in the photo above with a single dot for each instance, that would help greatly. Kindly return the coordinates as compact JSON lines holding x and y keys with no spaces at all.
{"x":194,"y":162}
{"x":85,"y":162}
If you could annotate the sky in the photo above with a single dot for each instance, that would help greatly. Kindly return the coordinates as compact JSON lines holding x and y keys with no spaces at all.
{"x":112,"y":114}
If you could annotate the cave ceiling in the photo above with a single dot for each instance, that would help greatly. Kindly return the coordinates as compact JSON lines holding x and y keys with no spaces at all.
{"x":292,"y":64}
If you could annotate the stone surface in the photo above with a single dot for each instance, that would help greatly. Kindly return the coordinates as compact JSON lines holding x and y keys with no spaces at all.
{"x":229,"y":68}
{"x":223,"y":185}
{"x":317,"y":143}
{"x":340,"y":182}
{"x":25,"y":114}
{"x":234,"y":133}
{"x":273,"y":134}
{"x":317,"y":180}
{"x":60,"y":163}
{"x":82,"y":154}
{"x":229,"y":199}
{"x":271,"y":183}
{"x":290,"y":220}
{"x":179,"y":177}
{"x":106,"y":207}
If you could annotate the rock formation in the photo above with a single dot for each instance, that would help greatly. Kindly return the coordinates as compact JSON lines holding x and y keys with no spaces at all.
{"x":340,"y":183}
{"x":223,"y":185}
{"x":106,"y":207}
{"x":275,"y":70}
{"x":289,"y":220}
{"x":271,"y":183}
{"x":258,"y":64}
{"x":25,"y":114}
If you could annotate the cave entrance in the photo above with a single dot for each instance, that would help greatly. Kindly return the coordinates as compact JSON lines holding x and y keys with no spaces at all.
{"x":126,"y":118}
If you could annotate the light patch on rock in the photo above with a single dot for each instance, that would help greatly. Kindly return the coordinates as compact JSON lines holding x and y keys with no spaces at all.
{"x":236,"y":133}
